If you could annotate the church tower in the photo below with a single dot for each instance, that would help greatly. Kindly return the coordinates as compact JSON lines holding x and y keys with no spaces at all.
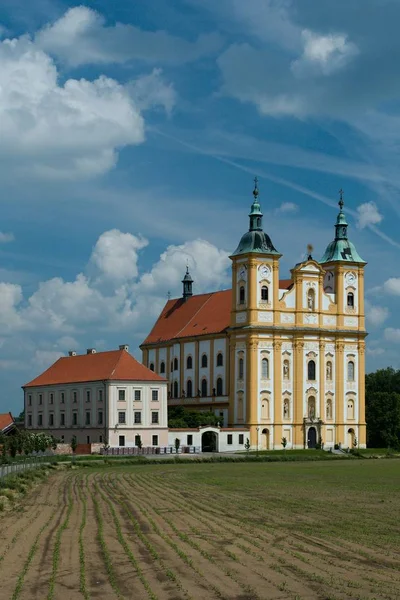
{"x":344,"y":281}
{"x":255,"y":297}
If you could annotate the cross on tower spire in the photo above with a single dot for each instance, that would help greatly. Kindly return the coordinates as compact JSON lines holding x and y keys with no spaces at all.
{"x":255,"y":191}
{"x":341,"y":201}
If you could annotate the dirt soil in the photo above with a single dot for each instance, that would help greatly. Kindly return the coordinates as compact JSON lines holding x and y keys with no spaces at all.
{"x":149,"y":533}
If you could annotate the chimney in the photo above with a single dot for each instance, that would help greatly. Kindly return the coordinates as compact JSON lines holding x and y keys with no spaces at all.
{"x":71,"y":353}
{"x":124,"y":347}
{"x":91,"y":351}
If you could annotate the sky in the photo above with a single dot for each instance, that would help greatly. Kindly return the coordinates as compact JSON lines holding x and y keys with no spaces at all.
{"x":130,"y":134}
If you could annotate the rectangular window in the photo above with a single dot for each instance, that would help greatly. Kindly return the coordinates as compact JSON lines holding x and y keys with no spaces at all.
{"x":51,"y":398}
{"x":121,"y":440}
{"x":189,"y":440}
{"x":137,"y":395}
{"x":138,"y":417}
{"x":121,"y":395}
{"x":29,"y":420}
{"x":155,"y":440}
{"x":241,"y":438}
{"x":62,"y":439}
{"x":51,"y":420}
{"x":30,"y":400}
{"x":229,"y":440}
{"x":40,"y":420}
{"x":154,"y":417}
{"x":62,"y":398}
{"x":88,"y":439}
{"x":121,"y":418}
{"x":74,"y":418}
{"x":100,"y":417}
{"x":75,"y":396}
{"x":40,"y":398}
{"x":154,"y":395}
{"x":87,"y":418}
{"x":88,"y":396}
{"x":100,"y":395}
{"x":62,"y":419}
{"x":138,"y":441}
{"x":100,"y":439}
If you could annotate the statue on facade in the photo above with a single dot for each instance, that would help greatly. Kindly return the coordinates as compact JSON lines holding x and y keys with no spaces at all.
{"x":286,"y":369}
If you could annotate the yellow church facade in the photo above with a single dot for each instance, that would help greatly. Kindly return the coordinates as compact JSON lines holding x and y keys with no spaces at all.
{"x":280,"y":358}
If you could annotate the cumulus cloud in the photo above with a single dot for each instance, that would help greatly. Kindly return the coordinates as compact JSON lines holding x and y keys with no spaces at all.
{"x":287,"y":207}
{"x":81,"y":37}
{"x":375,"y":351}
{"x":152,"y":90}
{"x":368,"y":214}
{"x":392,"y":286}
{"x":323,"y":54}
{"x":392,"y":335}
{"x":115,"y":255}
{"x":376,"y":315}
{"x":5,"y":238}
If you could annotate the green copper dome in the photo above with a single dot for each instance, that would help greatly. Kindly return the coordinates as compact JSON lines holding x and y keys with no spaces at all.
{"x":341,"y":248}
{"x":255,"y":240}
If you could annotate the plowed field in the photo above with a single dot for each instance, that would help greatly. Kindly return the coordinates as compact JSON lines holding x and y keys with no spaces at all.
{"x":230,"y":531}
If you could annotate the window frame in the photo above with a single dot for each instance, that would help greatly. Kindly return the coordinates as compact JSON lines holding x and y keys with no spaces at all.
{"x":154,"y":437}
{"x":204,"y":387}
{"x":229,"y":439}
{"x":189,"y":439}
{"x":137,"y":414}
{"x":122,"y":417}
{"x":220,"y":386}
{"x":189,"y":361}
{"x":155,"y":414}
{"x":204,"y":361}
{"x":311,"y":370}
{"x":88,"y":417}
{"x":137,"y":395}
{"x":121,"y":391}
{"x":162,"y":367}
{"x":154,"y":392}
{"x":242,"y":295}
{"x":264,"y":292}
{"x":220,"y":359}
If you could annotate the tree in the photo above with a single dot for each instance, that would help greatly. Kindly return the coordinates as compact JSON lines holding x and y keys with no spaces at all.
{"x":247,"y":445}
{"x":180,"y":418}
{"x":74,"y":444}
{"x":383,"y":416}
{"x":284,"y":443}
{"x":177,"y":444}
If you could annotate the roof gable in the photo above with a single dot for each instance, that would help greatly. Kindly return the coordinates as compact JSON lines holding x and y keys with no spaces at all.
{"x":6,"y":422}
{"x":114,"y":365}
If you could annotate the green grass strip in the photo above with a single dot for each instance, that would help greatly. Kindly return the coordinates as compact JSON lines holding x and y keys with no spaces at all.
{"x":57,"y":546}
{"x":82,"y":563}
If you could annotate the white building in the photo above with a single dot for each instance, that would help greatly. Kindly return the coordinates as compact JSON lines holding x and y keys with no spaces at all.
{"x":99,"y":397}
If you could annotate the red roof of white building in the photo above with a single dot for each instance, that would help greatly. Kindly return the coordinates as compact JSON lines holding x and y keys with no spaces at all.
{"x":203,"y":314}
{"x":114,"y":365}
{"x":6,"y":422}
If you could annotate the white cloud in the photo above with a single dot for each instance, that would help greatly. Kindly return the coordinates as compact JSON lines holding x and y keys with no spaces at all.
{"x":375,"y":351}
{"x":392,"y":335}
{"x":42,"y":359}
{"x":71,"y":130}
{"x":152,"y":90}
{"x":376,"y":315}
{"x":392,"y":286}
{"x":81,"y":37}
{"x":287,"y":207}
{"x":5,"y":238}
{"x":115,"y":255}
{"x":368,"y":214}
{"x":66,"y":342}
{"x":10,"y":299}
{"x":323,"y":54}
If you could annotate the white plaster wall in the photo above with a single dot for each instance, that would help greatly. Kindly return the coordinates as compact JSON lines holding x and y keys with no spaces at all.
{"x":222,"y":435}
{"x":290,"y":297}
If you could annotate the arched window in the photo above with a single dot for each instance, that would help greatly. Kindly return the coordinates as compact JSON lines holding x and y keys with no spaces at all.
{"x":350,"y":371}
{"x":350,"y":300}
{"x":241,"y":368}
{"x":311,"y":407}
{"x":264,"y":293}
{"x":204,"y":361}
{"x":204,"y":387}
{"x":219,"y":386}
{"x":162,"y":367}
{"x":265,"y":368}
{"x":329,"y":370}
{"x":189,"y":362}
{"x":311,"y":299}
{"x":350,"y":409}
{"x":151,"y":367}
{"x":175,"y":364}
{"x":220,"y":360}
{"x":258,"y":222}
{"x":172,"y":365}
{"x":311,"y":370}
{"x":189,"y":388}
{"x":286,"y":369}
{"x":241,"y":295}
{"x":175,"y":389}
{"x":286,"y":409}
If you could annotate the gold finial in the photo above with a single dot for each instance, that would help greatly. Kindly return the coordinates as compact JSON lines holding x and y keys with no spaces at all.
{"x":341,"y":201}
{"x":255,"y":191}
{"x":310,"y":249}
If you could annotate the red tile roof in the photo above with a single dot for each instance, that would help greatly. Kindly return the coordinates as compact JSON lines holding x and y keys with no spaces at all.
{"x":6,"y":421}
{"x":114,"y":365}
{"x":200,"y":315}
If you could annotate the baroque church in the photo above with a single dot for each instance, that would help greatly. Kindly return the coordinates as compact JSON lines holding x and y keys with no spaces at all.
{"x":282,"y":358}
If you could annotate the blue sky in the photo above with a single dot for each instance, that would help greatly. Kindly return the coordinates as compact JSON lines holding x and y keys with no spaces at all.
{"x":130,"y":133}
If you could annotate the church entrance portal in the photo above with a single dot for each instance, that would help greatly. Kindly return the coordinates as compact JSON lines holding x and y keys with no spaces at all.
{"x":312,"y":437}
{"x":265,"y":439}
{"x":209,"y":442}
